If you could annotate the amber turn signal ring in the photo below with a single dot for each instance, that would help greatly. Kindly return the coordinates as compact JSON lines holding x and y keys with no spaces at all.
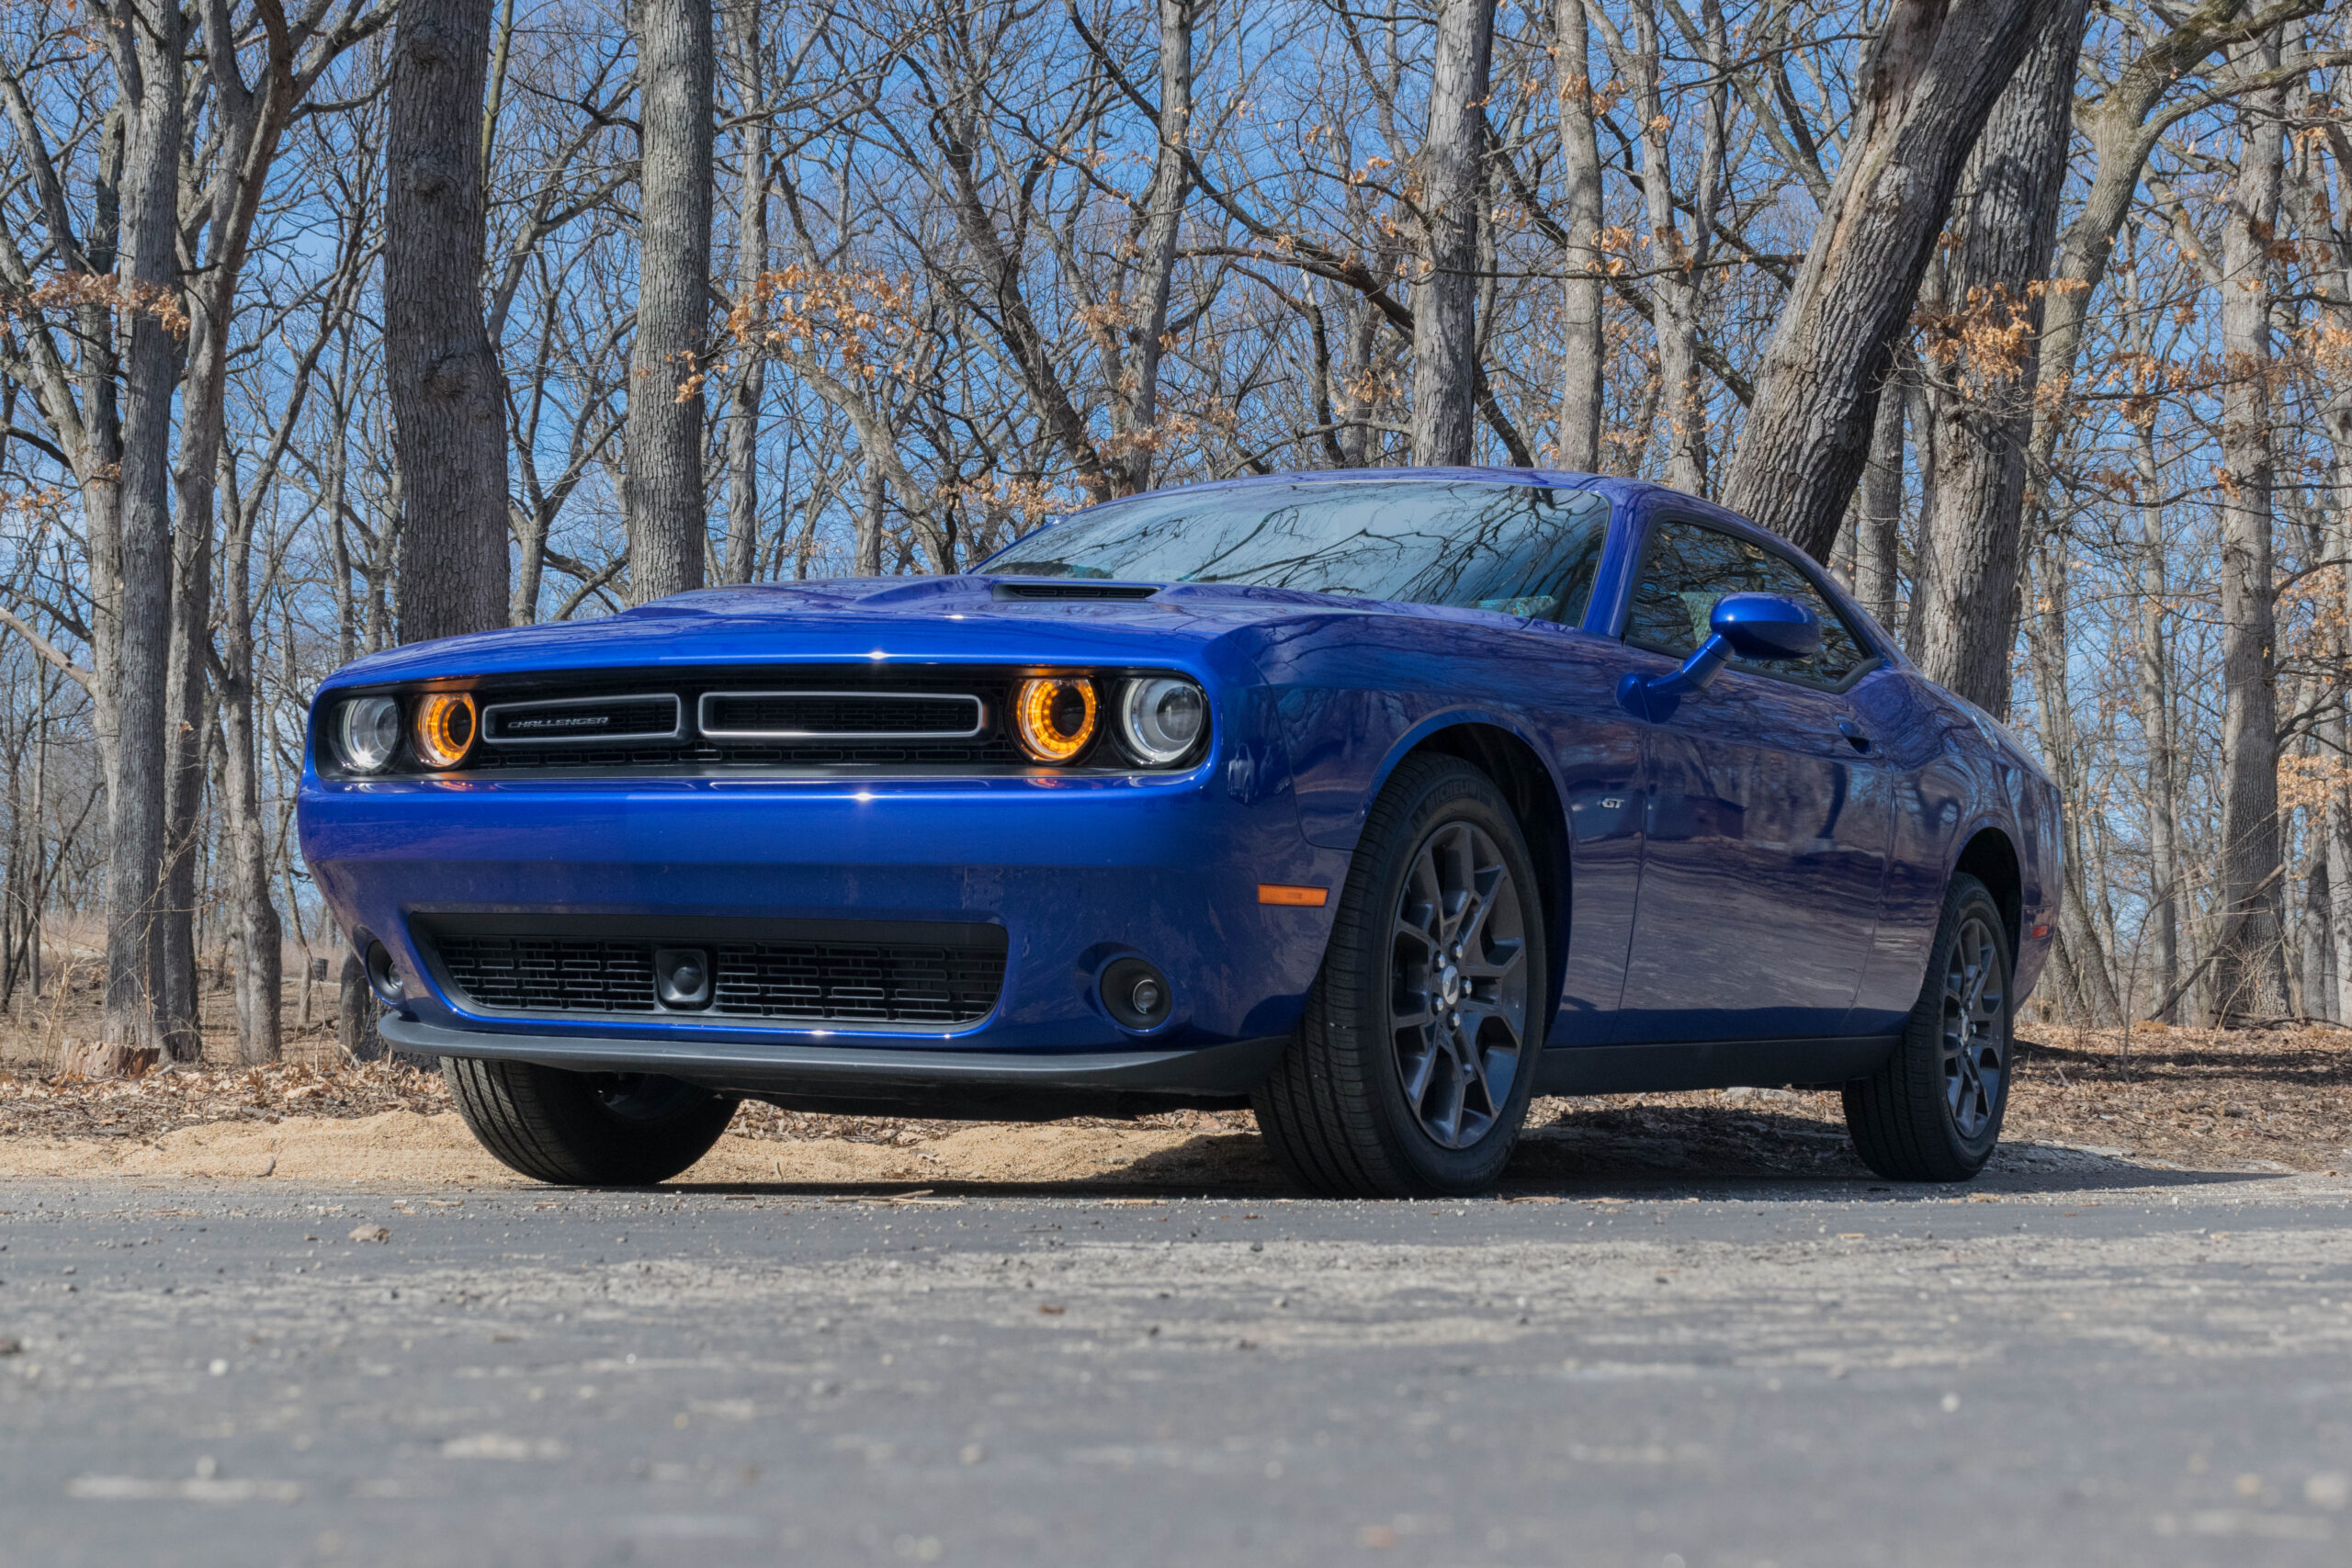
{"x":1054,"y":716}
{"x":446,"y":726}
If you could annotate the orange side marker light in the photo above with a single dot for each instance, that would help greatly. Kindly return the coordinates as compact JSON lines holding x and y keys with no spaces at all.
{"x":1296,"y":898}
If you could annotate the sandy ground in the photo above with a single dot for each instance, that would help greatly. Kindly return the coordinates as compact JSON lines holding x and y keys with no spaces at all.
{"x":2270,"y":1101}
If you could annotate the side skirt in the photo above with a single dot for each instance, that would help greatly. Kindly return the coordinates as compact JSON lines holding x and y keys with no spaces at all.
{"x":1711,"y":1064}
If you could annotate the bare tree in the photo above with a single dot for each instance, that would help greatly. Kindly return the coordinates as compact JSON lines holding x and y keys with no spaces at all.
{"x":1929,"y":81}
{"x":447,"y":390}
{"x":148,"y":56}
{"x":1583,"y":345}
{"x":2004,"y":222}
{"x":1452,"y":197}
{"x":2250,"y":971}
{"x":661,"y":482}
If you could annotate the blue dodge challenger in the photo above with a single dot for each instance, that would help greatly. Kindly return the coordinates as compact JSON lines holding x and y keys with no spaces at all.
{"x":1378,"y":802}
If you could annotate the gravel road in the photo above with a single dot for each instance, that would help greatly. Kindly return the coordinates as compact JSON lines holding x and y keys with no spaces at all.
{"x":2076,"y":1360}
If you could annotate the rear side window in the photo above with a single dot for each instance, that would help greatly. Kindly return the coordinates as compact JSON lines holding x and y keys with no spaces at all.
{"x":1687,"y":568}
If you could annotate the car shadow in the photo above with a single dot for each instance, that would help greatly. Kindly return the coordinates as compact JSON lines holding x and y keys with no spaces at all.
{"x":1588,"y":1150}
{"x":1571,"y":1149}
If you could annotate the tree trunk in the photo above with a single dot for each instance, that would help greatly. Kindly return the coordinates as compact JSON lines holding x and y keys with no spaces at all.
{"x":1453,"y":190}
{"x":871,"y":493}
{"x":185,"y":743}
{"x":2004,"y":222}
{"x":1878,"y":523}
{"x":1171,"y":182}
{"x":356,"y":1011}
{"x":1582,"y":347}
{"x":751,"y":261}
{"x":662,"y":494}
{"x":1927,"y":84}
{"x":2156,"y":734}
{"x":149,"y":58}
{"x":448,"y":392}
{"x":2250,"y":973}
{"x":260,"y":937}
{"x":2086,"y":971}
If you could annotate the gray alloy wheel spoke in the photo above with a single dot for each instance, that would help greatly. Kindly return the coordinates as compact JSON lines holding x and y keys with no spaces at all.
{"x":1497,"y":961}
{"x":1471,"y":936}
{"x":1458,"y":1021}
{"x":1418,"y":1070}
{"x":1438,"y":1105}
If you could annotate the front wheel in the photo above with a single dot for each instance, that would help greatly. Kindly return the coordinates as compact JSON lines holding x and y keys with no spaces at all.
{"x":586,"y":1128}
{"x":1411,"y":1074}
{"x":1933,"y":1112}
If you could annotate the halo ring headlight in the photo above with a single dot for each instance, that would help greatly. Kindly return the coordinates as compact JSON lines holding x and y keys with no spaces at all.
{"x":446,"y":726}
{"x":368,"y":733}
{"x":1054,"y":716}
{"x":1161,"y":718}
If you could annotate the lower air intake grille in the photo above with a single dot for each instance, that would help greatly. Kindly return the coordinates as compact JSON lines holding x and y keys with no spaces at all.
{"x":547,"y":975}
{"x":904,"y":975}
{"x":872,"y":985}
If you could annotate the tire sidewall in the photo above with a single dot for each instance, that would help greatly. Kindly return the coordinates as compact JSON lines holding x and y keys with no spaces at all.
{"x":1456,"y":792}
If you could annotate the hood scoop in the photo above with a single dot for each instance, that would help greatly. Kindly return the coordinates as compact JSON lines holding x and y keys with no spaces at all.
{"x":1063,"y":588}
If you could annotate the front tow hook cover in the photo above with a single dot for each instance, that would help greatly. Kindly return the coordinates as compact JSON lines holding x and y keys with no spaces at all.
{"x":682,"y":976}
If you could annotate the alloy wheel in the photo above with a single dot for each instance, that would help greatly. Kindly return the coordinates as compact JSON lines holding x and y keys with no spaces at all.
{"x":1976,"y":1039}
{"x":1458,"y":1005}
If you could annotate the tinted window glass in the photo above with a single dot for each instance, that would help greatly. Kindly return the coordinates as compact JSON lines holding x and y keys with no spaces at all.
{"x":1688,"y":568}
{"x":1517,"y":549}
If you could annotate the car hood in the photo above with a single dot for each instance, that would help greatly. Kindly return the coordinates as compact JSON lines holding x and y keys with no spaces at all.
{"x":950,"y":619}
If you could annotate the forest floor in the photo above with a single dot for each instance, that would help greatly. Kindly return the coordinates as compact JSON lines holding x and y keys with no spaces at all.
{"x":2275,"y":1099}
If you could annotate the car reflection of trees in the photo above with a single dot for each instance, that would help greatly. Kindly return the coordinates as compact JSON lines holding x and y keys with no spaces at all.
{"x":1459,"y":544}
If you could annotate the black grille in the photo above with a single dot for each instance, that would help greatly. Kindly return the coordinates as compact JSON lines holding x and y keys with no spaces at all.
{"x":914,"y":975}
{"x":984,"y":749}
{"x":526,"y":974}
{"x":815,"y":982}
{"x":837,"y":716}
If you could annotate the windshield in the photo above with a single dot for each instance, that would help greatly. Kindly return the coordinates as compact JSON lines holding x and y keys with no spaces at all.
{"x":1517,"y":549}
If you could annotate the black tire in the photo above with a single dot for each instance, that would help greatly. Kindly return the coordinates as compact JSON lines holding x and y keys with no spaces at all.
{"x":586,"y":1128}
{"x":1369,"y":1102}
{"x":1933,"y":1112}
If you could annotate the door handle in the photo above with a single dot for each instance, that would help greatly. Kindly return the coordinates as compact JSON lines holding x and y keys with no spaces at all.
{"x":1855,"y":735}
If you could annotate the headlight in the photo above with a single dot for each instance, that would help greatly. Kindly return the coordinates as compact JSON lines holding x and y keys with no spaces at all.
{"x":1054,"y":716}
{"x":367,"y":733}
{"x":1162,"y":718}
{"x":445,"y":728}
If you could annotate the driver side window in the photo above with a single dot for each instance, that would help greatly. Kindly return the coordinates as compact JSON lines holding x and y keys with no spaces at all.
{"x":1688,"y":567}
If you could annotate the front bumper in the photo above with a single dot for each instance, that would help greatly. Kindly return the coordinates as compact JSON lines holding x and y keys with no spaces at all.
{"x":1076,"y":872}
{"x":966,"y":1083}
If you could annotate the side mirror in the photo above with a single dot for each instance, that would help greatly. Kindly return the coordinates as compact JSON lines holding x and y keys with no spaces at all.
{"x":1746,"y":626}
{"x":1765,"y":625}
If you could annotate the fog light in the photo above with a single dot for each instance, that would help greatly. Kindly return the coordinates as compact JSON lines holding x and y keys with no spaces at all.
{"x":682,"y":976}
{"x":1135,"y":993}
{"x":382,"y":978}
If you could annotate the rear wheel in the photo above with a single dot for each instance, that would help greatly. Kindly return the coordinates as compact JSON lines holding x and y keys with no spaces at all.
{"x":1411,"y":1071}
{"x":1933,"y":1112}
{"x":586,"y":1128}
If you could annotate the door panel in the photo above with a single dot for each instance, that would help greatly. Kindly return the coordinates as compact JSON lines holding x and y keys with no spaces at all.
{"x":1768,"y":817}
{"x":1767,"y":840}
{"x":1598,"y":750}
